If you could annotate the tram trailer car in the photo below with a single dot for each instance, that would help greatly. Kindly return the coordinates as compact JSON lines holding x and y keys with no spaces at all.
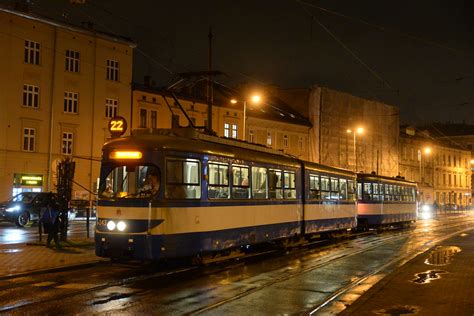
{"x":213,"y":194}
{"x":385,"y":201}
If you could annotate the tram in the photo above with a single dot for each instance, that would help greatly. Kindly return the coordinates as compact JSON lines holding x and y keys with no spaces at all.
{"x":385,"y":201}
{"x":180,"y":193}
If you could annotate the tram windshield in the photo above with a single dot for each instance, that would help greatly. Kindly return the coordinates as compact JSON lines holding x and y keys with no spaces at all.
{"x":131,"y":182}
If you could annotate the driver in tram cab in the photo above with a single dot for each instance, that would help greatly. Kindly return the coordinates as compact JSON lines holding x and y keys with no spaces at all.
{"x":152,"y":184}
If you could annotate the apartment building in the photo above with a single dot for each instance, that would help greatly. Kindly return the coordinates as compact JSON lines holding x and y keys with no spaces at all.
{"x":60,"y":85}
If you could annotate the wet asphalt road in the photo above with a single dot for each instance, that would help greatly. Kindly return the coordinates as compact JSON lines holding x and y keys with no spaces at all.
{"x":298,"y":282}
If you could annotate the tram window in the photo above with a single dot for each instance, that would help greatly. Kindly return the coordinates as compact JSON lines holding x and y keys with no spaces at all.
{"x":325,"y":191}
{"x":359,"y":191}
{"x":289,"y":185}
{"x":376,"y":196}
{"x":182,"y":179}
{"x":240,"y":184}
{"x":350,"y":190}
{"x":367,"y":194}
{"x":334,"y":188}
{"x":314,"y":187}
{"x":275,"y":190}
{"x":259,"y":183}
{"x":131,"y":182}
{"x":343,"y":189}
{"x":218,"y":181}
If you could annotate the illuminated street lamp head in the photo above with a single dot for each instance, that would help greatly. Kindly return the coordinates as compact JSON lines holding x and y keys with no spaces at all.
{"x":472,"y":161}
{"x":233,"y":101}
{"x":256,"y":98}
{"x":427,"y":150}
{"x":360,"y":130}
{"x":349,"y":131}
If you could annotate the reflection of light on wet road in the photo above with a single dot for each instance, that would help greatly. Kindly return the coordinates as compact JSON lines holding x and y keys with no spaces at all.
{"x":13,"y":235}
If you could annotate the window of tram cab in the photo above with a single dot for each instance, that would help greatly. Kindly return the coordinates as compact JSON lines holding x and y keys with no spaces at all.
{"x":351,"y":189}
{"x":182,"y":179}
{"x":131,"y":182}
{"x":343,"y":189}
{"x":334,"y":188}
{"x":367,"y":194}
{"x":218,"y":187}
{"x":289,"y":185}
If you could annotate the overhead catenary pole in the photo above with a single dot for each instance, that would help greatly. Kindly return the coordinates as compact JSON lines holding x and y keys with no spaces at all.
{"x":210,"y":96}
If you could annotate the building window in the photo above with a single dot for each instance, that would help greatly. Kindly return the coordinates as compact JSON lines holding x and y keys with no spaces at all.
{"x":234,"y":130}
{"x":112,"y":70}
{"x":143,"y":114}
{"x":154,"y":121}
{"x":70,"y":102}
{"x":300,"y":143}
{"x":226,"y":129}
{"x":111,"y":107}
{"x":67,"y":143}
{"x":72,"y":61}
{"x":251,"y":136}
{"x":32,"y":52}
{"x":29,"y":137}
{"x":269,"y":139}
{"x":285,"y":141}
{"x":30,"y":96}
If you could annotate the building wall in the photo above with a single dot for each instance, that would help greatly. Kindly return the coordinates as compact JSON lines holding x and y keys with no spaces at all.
{"x":149,"y":101}
{"x":332,"y":113}
{"x":443,"y":176}
{"x":49,"y":119}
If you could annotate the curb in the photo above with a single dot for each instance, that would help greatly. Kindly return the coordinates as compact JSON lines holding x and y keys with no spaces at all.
{"x":52,"y":270}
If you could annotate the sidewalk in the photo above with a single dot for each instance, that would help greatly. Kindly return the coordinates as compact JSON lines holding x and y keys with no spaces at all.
{"x":24,"y":258}
{"x":437,"y":282}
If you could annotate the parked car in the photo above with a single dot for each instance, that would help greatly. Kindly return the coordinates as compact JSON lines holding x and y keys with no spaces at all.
{"x":25,"y":207}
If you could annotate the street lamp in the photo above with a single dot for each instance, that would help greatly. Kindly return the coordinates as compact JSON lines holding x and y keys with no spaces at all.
{"x":255,"y":99}
{"x":426,"y":151}
{"x":357,"y":130}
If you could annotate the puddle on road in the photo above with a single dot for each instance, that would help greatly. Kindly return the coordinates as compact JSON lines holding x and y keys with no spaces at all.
{"x":442,"y":255}
{"x":398,"y":310}
{"x":113,"y":297}
{"x":7,"y":251}
{"x":428,"y":276}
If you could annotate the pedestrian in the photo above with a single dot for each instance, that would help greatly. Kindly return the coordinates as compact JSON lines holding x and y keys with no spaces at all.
{"x":50,"y":220}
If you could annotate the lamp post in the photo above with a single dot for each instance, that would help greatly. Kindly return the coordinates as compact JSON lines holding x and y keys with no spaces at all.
{"x":254,"y":99}
{"x":358,"y":130}
{"x":426,"y":151}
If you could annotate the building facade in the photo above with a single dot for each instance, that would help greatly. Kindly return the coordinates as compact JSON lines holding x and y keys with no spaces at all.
{"x":442,"y":170}
{"x":155,"y":108}
{"x":60,"y":85}
{"x":335,"y":117}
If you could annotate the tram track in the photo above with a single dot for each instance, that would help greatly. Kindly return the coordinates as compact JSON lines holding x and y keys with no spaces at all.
{"x":321,"y":262}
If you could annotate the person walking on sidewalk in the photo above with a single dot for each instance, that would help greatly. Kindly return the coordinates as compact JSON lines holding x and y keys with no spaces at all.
{"x":50,"y":220}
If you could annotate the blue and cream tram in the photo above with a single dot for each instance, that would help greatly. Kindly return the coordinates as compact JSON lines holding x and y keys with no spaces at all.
{"x":211,"y":194}
{"x":384,"y":200}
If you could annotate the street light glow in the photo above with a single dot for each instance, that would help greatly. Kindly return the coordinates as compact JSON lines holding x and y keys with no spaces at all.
{"x":256,"y":99}
{"x":349,"y":131}
{"x":427,"y":150}
{"x":360,"y":130}
{"x":233,"y":101}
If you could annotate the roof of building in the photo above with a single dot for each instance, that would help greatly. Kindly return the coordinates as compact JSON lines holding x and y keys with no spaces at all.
{"x":69,"y":26}
{"x":272,"y":108}
{"x":449,"y":129}
{"x":424,"y":136}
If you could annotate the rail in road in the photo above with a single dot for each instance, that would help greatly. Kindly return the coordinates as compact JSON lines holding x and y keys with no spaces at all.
{"x":319,"y":277}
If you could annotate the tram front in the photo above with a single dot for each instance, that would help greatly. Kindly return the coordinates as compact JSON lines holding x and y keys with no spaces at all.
{"x":127,"y":223}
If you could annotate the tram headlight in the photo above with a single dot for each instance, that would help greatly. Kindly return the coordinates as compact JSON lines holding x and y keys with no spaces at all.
{"x":426,"y":208}
{"x":110,"y":225}
{"x":121,"y":226}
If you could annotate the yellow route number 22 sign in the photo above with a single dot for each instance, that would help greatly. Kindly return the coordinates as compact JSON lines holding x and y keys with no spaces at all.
{"x":117,"y":126}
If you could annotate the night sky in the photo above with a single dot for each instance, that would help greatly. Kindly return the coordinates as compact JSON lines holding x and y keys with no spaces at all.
{"x":418,"y":55}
